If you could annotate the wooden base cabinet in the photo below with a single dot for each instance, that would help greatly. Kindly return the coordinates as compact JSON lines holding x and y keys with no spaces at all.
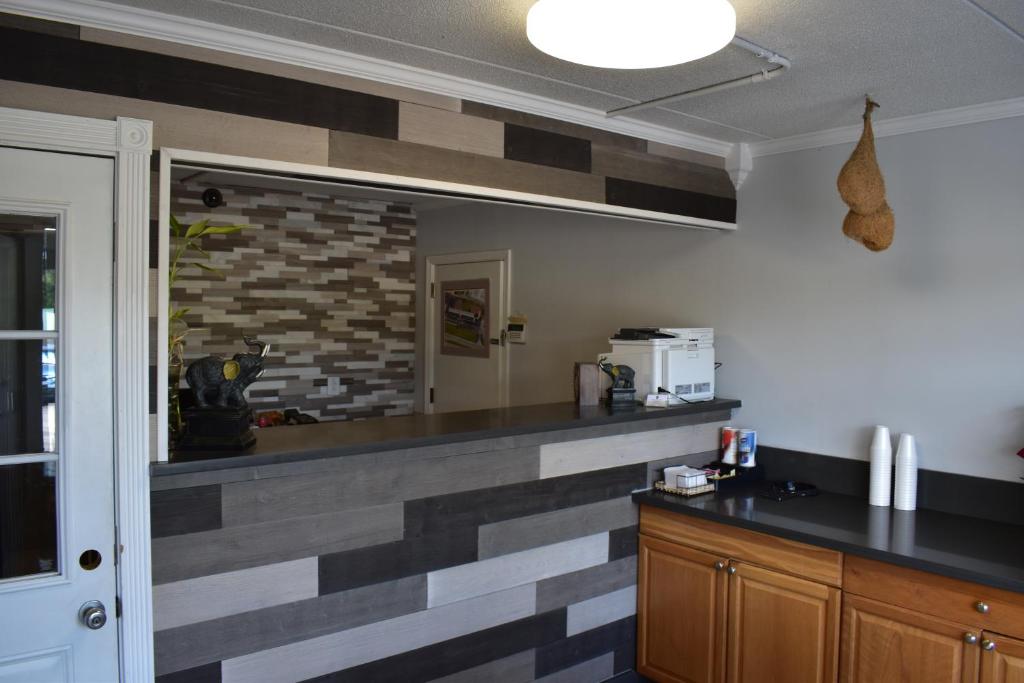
{"x":748,"y":613}
{"x":886,"y":644}
{"x":1002,"y":659}
{"x":782,"y":629}
{"x":681,"y":603}
{"x":719,"y":604}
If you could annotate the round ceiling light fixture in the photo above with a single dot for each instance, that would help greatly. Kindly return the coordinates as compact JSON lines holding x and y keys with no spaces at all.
{"x":630,"y":34}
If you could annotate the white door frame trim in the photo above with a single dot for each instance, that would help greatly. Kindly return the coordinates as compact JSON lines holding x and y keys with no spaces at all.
{"x":432,"y":262}
{"x":129,"y":142}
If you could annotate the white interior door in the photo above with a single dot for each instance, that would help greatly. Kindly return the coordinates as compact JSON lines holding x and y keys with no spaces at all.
{"x":56,"y":417}
{"x":468,"y":351}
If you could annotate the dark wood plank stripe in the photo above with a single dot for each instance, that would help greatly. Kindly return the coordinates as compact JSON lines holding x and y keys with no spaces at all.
{"x":388,"y":561}
{"x":661,"y":171}
{"x":543,"y":147}
{"x":595,"y":135}
{"x":184,"y":511}
{"x":208,"y":673}
{"x":623,"y":542}
{"x":438,"y":514}
{"x":669,"y":200}
{"x":457,"y":654}
{"x":53,"y":28}
{"x":81,"y":65}
{"x":614,"y":637}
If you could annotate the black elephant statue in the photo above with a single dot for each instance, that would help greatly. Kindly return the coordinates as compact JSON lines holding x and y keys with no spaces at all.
{"x":220,"y":382}
{"x":622,"y":375}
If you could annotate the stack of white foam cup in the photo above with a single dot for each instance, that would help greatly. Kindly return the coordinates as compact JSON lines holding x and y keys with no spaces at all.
{"x":905,"y":494}
{"x":881,"y":467}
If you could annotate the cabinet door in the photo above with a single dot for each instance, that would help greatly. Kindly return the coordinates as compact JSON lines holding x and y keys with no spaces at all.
{"x":781,"y":629}
{"x":680,"y":613}
{"x":887,"y":644}
{"x":1004,"y":663}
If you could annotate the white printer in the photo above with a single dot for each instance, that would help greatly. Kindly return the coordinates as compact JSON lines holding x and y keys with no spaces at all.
{"x":679,"y":359}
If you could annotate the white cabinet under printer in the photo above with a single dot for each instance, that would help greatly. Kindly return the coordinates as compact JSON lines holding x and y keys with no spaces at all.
{"x":679,"y":359}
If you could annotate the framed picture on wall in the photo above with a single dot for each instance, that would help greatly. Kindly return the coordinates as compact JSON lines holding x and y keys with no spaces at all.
{"x":465,"y":312}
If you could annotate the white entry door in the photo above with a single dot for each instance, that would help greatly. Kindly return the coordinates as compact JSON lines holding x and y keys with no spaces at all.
{"x":56,"y":419}
{"x":468,"y":352}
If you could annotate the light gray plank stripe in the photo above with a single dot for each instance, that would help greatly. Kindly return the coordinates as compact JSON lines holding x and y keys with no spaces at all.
{"x":242,"y":634}
{"x":619,"y":428}
{"x":440,"y":128}
{"x":369,"y":484}
{"x":211,"y":552}
{"x":220,"y":595}
{"x":337,"y":651}
{"x":604,"y":609}
{"x":558,"y":460}
{"x":560,"y":591}
{"x":522,"y":533}
{"x":517,"y":668}
{"x":487,"y":576}
{"x":591,"y":671}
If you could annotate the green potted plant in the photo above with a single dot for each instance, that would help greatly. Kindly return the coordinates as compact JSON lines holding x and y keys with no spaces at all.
{"x":185,"y":242}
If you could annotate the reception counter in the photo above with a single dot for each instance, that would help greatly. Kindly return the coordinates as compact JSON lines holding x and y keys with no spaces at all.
{"x":489,"y":544}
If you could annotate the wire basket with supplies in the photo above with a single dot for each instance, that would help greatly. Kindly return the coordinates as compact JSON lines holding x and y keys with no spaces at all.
{"x":690,"y":481}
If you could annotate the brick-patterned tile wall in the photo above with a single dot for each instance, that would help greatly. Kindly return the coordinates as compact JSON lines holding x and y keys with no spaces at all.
{"x":328,"y":281}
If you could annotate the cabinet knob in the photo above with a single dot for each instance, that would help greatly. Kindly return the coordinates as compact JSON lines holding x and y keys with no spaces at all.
{"x":981,"y":607}
{"x":970,"y":638}
{"x":719,"y":566}
{"x":988,"y":645}
{"x":731,"y":570}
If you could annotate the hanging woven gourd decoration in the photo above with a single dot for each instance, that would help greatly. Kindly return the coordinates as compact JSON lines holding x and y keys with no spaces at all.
{"x":870,"y":220}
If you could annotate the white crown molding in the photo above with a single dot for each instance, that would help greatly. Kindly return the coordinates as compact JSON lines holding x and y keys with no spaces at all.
{"x":148,"y":24}
{"x":739,"y":163}
{"x":975,"y":113}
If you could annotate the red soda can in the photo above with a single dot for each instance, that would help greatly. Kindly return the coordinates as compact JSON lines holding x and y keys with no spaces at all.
{"x":730,"y":436}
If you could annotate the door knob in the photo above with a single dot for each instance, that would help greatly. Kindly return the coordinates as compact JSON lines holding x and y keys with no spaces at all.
{"x":970,"y":638}
{"x":93,"y":614}
{"x":981,"y":607}
{"x":731,"y":570}
{"x":988,"y":645}
{"x":719,"y":566}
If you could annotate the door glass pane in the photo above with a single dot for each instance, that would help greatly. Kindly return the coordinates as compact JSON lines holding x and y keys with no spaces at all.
{"x":28,"y":409}
{"x":28,"y":519}
{"x":28,"y":267}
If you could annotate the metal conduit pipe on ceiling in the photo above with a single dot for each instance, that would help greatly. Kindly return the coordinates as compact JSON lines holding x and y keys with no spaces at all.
{"x":779,"y":63}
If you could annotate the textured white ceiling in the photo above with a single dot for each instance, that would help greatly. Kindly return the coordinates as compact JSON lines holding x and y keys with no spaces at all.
{"x":913,"y":56}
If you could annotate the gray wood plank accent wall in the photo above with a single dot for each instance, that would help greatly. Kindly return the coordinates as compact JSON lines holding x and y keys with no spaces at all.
{"x":506,"y":559}
{"x":343,"y":122}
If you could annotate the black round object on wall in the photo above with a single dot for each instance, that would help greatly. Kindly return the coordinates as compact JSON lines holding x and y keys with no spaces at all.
{"x":212,"y":197}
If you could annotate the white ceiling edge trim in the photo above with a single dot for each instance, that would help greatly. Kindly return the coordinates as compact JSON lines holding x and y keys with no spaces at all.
{"x":148,"y":24}
{"x":975,"y":113}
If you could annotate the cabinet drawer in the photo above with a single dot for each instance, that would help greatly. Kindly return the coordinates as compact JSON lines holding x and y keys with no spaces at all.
{"x":936,"y":595}
{"x":799,"y":559}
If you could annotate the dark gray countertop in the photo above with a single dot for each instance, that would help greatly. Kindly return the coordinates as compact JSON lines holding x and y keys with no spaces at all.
{"x":983,"y":551}
{"x":329,"y":439}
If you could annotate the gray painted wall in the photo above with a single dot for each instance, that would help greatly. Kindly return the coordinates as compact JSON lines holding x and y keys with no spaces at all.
{"x":820,"y":338}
